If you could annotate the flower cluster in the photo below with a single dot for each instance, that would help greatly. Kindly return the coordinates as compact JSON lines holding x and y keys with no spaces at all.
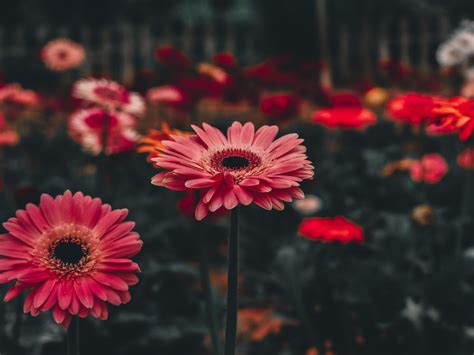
{"x":108,"y":123}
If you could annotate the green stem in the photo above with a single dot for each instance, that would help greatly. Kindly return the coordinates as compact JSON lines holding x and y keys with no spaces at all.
{"x":207,"y":289}
{"x":73,"y":337}
{"x":232,"y":284}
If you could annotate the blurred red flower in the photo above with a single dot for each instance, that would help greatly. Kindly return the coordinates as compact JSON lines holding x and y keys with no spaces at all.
{"x":173,"y":58}
{"x":412,"y":108}
{"x":345,"y":117}
{"x":280,"y":106}
{"x":466,"y":159}
{"x":331,"y":229}
{"x":225,"y":60}
{"x":431,"y":168}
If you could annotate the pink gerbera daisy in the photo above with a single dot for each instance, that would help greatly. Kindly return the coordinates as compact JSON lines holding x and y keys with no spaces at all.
{"x":244,"y":167}
{"x":110,"y":95}
{"x":62,"y":54}
{"x":72,"y":254}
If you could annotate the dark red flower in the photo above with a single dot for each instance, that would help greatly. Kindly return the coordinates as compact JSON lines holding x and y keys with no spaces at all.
{"x":331,"y":229}
{"x":225,"y":60}
{"x":172,"y":58}
{"x":280,"y":106}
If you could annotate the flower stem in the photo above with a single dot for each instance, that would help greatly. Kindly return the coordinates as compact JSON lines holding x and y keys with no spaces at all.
{"x":73,"y":337}
{"x":232,"y":284}
{"x":210,"y":301}
{"x":102,"y":167}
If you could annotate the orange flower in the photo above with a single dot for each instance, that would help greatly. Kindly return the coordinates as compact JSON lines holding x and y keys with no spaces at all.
{"x":213,"y":71}
{"x":153,"y":141}
{"x":312,"y":351}
{"x":256,"y":323}
{"x":399,"y":165}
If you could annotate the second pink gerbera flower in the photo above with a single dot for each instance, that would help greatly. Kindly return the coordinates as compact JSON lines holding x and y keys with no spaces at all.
{"x":72,"y":253}
{"x":245,"y":167}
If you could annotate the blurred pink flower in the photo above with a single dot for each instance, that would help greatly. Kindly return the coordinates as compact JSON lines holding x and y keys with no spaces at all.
{"x":62,"y":54}
{"x":431,"y":168}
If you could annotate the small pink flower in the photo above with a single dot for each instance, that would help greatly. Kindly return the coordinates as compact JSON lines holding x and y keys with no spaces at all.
{"x":72,"y":254}
{"x":62,"y":54}
{"x":86,"y":127}
{"x":244,"y":167}
{"x":166,"y":94}
{"x":14,"y":93}
{"x":466,"y":159}
{"x":110,"y":95}
{"x":8,"y":137}
{"x":431,"y":168}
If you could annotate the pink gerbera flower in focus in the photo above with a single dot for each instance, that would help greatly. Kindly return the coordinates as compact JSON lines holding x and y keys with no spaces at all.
{"x":430,"y":169}
{"x":244,"y":167}
{"x":110,"y":95}
{"x":62,"y":54}
{"x":72,"y":254}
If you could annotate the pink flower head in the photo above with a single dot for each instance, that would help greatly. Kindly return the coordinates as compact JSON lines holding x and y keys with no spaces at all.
{"x":72,"y":253}
{"x":14,"y":93}
{"x":331,"y":229}
{"x":466,"y":159}
{"x":110,"y":95}
{"x":86,"y":127}
{"x":8,"y":137}
{"x":166,"y":94}
{"x":62,"y":54}
{"x":431,"y":168}
{"x":244,"y":167}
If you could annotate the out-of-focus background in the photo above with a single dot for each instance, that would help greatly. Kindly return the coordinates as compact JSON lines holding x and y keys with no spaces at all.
{"x":368,"y":84}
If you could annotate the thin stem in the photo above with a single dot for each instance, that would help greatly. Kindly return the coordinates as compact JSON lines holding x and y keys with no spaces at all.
{"x":102,"y":168}
{"x":232,"y":284}
{"x":210,"y":301}
{"x":73,"y":337}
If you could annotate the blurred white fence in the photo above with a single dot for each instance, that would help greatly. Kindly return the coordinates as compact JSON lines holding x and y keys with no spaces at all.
{"x":123,"y":49}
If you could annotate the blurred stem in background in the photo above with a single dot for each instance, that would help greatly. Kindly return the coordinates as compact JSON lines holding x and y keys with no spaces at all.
{"x":103,"y":159}
{"x":232,"y":284}
{"x":73,"y":337}
{"x":207,"y":290}
{"x":295,"y":288}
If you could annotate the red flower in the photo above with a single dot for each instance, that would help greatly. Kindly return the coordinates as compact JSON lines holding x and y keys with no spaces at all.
{"x":280,"y":106}
{"x":431,"y":168}
{"x":466,"y":159}
{"x":331,"y":229}
{"x":172,"y":58}
{"x":345,"y":99}
{"x":412,"y":108}
{"x":225,"y":60}
{"x":345,"y":117}
{"x":453,"y":116}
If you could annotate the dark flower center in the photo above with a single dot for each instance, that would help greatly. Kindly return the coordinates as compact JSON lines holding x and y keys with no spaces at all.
{"x":235,"y":162}
{"x":68,"y":251}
